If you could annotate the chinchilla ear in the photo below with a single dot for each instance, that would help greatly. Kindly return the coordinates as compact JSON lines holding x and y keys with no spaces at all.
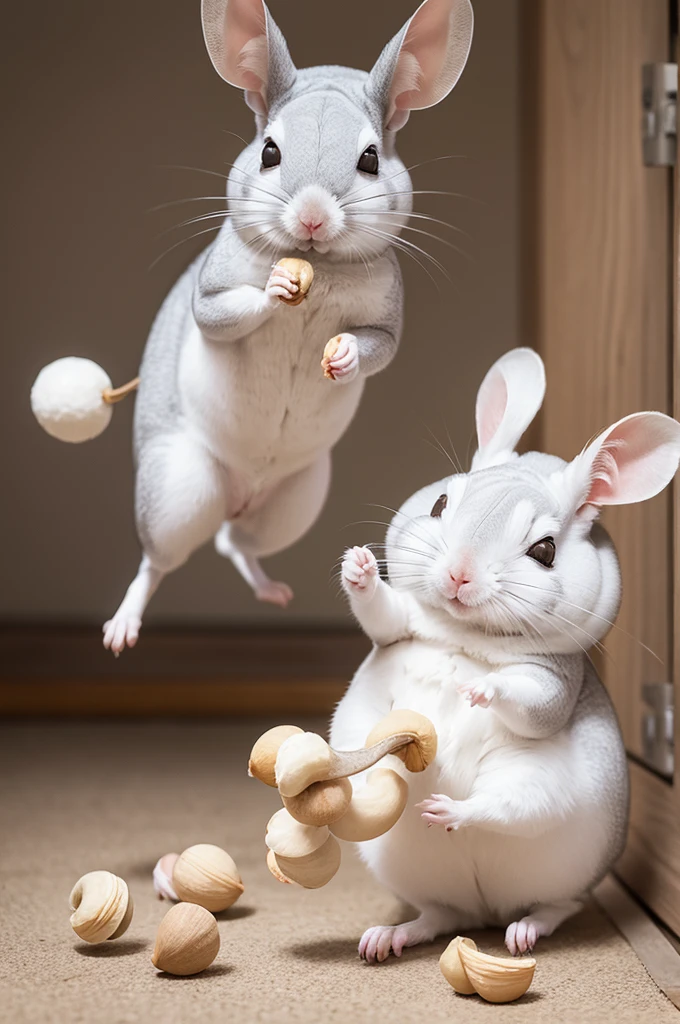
{"x":423,"y":62}
{"x":508,"y":400}
{"x":248,"y":50}
{"x":630,"y":461}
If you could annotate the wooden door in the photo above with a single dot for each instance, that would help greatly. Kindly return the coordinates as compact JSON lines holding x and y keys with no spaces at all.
{"x":601,"y":291}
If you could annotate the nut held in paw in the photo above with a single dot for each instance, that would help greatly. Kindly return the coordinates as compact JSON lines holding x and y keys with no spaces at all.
{"x":303,"y":273}
{"x":331,"y":348}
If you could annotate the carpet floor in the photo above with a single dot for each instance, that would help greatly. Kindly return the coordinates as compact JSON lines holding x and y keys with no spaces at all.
{"x":76,"y":796}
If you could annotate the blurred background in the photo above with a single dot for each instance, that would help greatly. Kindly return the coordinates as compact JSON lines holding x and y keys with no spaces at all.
{"x":105,"y":104}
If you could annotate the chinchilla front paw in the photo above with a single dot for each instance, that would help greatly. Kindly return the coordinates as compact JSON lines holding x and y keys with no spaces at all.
{"x":360,"y":572}
{"x":480,"y":691}
{"x":341,"y":358}
{"x":281,"y":284}
{"x":440,"y":809}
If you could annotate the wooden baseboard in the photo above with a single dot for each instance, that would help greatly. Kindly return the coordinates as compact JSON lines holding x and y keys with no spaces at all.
{"x":653,"y":948}
{"x":53,"y":670}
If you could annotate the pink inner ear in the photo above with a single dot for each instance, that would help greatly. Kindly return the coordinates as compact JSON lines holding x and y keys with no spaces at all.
{"x":426,"y":43}
{"x":492,"y":402}
{"x":244,"y":24}
{"x":637,"y":459}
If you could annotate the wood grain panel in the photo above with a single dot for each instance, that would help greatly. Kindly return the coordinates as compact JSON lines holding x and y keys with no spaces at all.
{"x":651,"y":862}
{"x":604,"y":283}
{"x":606,"y":259}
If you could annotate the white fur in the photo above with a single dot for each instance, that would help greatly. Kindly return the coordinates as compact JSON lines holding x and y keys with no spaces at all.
{"x":527,"y":796}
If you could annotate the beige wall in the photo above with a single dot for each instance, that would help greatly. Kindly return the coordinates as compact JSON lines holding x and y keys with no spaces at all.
{"x":100,"y":97}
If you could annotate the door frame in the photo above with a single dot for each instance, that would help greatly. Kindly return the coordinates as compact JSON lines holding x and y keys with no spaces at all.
{"x":549,"y":31}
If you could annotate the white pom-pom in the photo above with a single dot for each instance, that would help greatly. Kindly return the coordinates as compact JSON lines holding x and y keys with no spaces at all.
{"x":67,"y":402}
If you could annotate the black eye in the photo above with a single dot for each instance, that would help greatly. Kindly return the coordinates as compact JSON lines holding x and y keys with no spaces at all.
{"x":271,"y":154}
{"x":439,"y":506}
{"x":368,"y":161}
{"x":543,"y":551}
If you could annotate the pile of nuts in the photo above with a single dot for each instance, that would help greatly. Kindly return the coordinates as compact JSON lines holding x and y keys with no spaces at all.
{"x":319,"y":803}
{"x":202,"y":881}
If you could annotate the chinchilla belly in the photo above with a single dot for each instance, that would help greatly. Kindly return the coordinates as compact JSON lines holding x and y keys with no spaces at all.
{"x":488,"y":876}
{"x":262,"y":404}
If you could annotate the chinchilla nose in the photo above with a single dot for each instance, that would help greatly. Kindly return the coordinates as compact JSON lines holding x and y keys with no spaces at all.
{"x":459,"y":577}
{"x":313,"y":214}
{"x":310,"y":225}
{"x":455,"y":580}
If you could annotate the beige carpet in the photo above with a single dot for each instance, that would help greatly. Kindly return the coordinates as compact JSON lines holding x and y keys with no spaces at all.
{"x":79,"y":796}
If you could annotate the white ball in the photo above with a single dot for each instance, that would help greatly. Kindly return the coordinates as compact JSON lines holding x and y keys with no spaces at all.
{"x":67,"y":402}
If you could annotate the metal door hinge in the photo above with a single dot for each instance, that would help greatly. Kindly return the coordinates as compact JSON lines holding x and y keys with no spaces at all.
{"x":657,"y":727}
{"x":659,"y":114}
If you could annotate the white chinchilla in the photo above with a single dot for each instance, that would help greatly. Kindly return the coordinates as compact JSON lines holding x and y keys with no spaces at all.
{"x":499,"y":581}
{"x":235,"y":420}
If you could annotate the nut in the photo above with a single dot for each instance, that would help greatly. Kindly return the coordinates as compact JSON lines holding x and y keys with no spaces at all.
{"x":262,"y":761}
{"x":288,"y":838}
{"x":187,"y":940}
{"x":207,"y":875}
{"x":452,"y":968}
{"x":314,"y":870}
{"x":303,"y":275}
{"x":275,"y":869}
{"x":375,"y":807}
{"x":322,"y":803}
{"x":329,"y":351}
{"x":498,"y":979}
{"x":302,"y":759}
{"x":102,"y":906}
{"x":422,"y":748}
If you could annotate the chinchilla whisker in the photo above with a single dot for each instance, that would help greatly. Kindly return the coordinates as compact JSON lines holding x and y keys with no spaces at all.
{"x":437,"y":238}
{"x":524,"y":617}
{"x":586,"y":611}
{"x":409,"y":520}
{"x":225,"y":177}
{"x":440,"y":450}
{"x":282,"y":195}
{"x":432,"y":553}
{"x":453,"y":450}
{"x":405,"y":170}
{"x":223,"y":214}
{"x":407,"y":192}
{"x":555,"y":615}
{"x":394,"y":239}
{"x":524,"y":622}
{"x":189,"y":199}
{"x":419,"y":538}
{"x":398,"y":244}
{"x":409,"y":216}
{"x":235,"y":136}
{"x":422,"y":554}
{"x":198,"y":170}
{"x":205,"y":231}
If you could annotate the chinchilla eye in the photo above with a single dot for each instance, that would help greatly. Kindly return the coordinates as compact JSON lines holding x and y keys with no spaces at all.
{"x":543,"y":551}
{"x":439,"y":506}
{"x":368,"y":161}
{"x":271,"y":154}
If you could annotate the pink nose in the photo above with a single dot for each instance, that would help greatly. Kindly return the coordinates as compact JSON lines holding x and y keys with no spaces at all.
{"x":460,"y":579}
{"x":311,"y":226}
